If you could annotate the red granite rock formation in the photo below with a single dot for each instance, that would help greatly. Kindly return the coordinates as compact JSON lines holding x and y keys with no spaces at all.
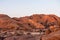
{"x":48,"y":25}
{"x":6,"y":22}
{"x":51,"y":23}
{"x":52,"y":36}
{"x":38,"y":21}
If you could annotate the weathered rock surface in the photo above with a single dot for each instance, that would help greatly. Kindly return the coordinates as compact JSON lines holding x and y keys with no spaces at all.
{"x":7,"y":22}
{"x":23,"y":37}
{"x":52,"y":36}
{"x":17,"y":28}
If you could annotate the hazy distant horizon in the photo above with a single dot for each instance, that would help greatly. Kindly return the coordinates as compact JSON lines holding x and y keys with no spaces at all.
{"x":20,"y":8}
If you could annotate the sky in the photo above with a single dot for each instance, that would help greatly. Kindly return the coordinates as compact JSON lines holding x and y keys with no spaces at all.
{"x":19,"y":8}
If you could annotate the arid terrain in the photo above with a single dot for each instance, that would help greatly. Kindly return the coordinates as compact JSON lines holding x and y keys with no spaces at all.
{"x":34,"y":27}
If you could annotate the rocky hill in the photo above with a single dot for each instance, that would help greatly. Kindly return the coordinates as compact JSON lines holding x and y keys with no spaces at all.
{"x":48,"y":27}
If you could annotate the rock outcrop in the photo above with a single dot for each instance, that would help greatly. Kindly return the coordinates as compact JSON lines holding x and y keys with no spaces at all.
{"x":52,"y":36}
{"x":14,"y":28}
{"x":6,"y":22}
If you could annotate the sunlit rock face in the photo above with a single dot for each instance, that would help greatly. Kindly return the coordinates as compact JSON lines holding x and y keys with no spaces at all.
{"x":52,"y":36}
{"x":46,"y":25}
{"x":39,"y":21}
{"x":7,"y":22}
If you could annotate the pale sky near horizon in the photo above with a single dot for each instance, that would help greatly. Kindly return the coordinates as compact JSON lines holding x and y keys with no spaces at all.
{"x":19,"y":8}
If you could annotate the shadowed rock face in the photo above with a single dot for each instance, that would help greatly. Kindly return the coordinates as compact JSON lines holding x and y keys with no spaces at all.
{"x":24,"y":37}
{"x":14,"y":28}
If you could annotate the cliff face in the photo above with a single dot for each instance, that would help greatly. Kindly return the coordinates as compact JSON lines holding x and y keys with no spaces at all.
{"x":47,"y":24}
